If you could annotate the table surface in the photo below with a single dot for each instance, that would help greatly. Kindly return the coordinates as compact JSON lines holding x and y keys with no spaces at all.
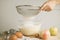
{"x":50,"y":38}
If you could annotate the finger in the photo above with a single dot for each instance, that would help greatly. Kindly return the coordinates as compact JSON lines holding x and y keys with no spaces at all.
{"x":43,"y":6}
{"x":48,"y":9}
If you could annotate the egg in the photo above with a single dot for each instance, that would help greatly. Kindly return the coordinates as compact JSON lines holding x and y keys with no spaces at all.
{"x":19,"y":34}
{"x":45,"y":34}
{"x":13,"y":37}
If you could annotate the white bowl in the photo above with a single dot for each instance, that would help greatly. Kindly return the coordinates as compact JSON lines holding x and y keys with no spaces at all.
{"x":30,"y":28}
{"x":28,"y":10}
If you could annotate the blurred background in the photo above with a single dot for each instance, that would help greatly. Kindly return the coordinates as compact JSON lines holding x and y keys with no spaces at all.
{"x":9,"y":17}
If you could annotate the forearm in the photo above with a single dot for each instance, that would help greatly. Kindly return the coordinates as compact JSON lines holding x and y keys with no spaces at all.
{"x":57,"y":1}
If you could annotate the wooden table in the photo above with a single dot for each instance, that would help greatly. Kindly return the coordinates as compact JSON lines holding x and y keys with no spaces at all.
{"x":50,"y":38}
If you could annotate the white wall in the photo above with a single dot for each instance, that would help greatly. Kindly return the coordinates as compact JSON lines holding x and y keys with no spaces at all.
{"x":9,"y":18}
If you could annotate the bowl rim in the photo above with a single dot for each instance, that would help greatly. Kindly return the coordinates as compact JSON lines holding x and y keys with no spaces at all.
{"x":28,"y":6}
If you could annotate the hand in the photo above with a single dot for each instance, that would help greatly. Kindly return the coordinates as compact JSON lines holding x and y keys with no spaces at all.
{"x":48,"y":6}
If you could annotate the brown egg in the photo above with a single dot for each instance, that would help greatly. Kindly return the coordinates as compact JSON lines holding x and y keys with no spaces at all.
{"x":19,"y":34}
{"x":13,"y":37}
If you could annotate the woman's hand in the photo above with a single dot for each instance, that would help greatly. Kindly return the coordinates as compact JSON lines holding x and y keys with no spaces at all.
{"x":48,"y":6}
